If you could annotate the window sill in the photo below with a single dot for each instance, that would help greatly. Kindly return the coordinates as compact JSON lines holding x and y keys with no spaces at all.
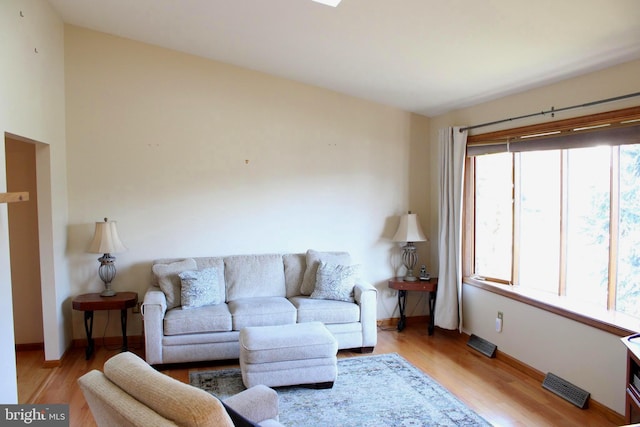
{"x":612,"y":322}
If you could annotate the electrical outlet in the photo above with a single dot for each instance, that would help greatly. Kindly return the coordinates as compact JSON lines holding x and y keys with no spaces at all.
{"x":136,"y":308}
{"x":393,"y":293}
{"x":499,"y":322}
{"x":500,"y":315}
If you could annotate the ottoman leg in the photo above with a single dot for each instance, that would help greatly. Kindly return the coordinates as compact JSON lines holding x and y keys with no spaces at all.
{"x":320,"y":386}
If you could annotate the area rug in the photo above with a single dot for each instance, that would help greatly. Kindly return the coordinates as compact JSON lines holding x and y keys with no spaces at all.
{"x":379,"y":390}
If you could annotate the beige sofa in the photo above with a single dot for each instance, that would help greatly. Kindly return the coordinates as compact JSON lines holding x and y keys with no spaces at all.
{"x":254,"y":290}
{"x":131,"y":393}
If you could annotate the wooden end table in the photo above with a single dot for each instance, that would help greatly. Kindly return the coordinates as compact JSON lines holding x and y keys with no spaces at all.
{"x":430,"y":286}
{"x":91,"y":302}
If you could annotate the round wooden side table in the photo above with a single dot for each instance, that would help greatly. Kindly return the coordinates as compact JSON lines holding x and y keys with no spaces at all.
{"x":91,"y":302}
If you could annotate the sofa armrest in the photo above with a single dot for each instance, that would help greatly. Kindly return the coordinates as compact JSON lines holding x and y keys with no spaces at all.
{"x":259,"y":403}
{"x":366,"y":296}
{"x":360,"y":288}
{"x":154,"y":307}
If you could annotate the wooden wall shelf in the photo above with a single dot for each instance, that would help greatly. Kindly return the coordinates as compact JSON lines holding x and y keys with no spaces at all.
{"x":21,"y":196}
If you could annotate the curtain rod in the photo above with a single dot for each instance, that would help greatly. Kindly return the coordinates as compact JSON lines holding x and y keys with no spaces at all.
{"x":553,"y":111}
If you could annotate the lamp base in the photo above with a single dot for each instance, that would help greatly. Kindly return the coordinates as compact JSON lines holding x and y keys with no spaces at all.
{"x":107,"y":272}
{"x":409,"y":259}
{"x":108,"y":292}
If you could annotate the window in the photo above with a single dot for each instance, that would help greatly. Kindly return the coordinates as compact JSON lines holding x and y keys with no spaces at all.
{"x":493,"y":217}
{"x":588,"y":215}
{"x":628,"y":268}
{"x":557,"y":211}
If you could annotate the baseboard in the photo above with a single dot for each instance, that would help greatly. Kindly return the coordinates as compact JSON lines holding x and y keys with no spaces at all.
{"x":38,"y":346}
{"x":518,"y":365}
{"x":393,"y":322}
{"x":132,"y":340}
{"x":35,"y":346}
{"x":56,"y":363}
{"x":52,"y":363}
{"x":609,"y":413}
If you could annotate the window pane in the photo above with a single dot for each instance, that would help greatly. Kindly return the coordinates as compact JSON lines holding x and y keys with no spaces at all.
{"x":588,"y":197}
{"x":539,"y":244}
{"x":628,"y":290}
{"x":493,"y":216}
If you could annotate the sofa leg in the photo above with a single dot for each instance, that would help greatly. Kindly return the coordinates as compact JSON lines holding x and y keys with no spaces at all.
{"x":365,"y":350}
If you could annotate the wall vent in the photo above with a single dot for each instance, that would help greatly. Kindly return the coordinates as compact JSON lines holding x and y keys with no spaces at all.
{"x":566,"y":390}
{"x":482,"y":345}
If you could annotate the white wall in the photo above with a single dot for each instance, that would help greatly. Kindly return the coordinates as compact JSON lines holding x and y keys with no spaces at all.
{"x":590,"y":358}
{"x":195,"y":158}
{"x":32,"y":107}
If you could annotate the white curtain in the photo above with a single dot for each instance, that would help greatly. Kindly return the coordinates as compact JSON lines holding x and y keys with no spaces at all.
{"x":452,"y":147}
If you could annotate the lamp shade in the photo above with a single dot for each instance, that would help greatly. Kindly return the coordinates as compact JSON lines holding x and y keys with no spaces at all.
{"x":106,"y":239}
{"x":409,"y":229}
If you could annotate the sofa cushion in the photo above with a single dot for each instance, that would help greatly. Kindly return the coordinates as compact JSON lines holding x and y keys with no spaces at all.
{"x":250,"y":276}
{"x":166,"y":277}
{"x":313,"y":261}
{"x":263,"y":311}
{"x":294,"y":268}
{"x":335,"y":281}
{"x":210,"y":318}
{"x":325,"y":311}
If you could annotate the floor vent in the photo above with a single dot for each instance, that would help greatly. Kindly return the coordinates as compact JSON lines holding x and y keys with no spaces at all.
{"x":482,"y":345}
{"x":566,"y":390}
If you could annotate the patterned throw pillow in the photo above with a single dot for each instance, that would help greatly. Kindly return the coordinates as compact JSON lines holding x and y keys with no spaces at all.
{"x":313,"y":261}
{"x":199,"y":288}
{"x":335,"y":282}
{"x":166,"y":277}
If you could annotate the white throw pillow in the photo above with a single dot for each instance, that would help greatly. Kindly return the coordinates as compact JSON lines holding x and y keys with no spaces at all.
{"x":199,"y":288}
{"x":335,"y":282}
{"x":166,"y":277}
{"x":313,"y":261}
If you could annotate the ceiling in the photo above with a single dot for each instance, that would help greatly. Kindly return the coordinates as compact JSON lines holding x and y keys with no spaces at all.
{"x":423,"y":56}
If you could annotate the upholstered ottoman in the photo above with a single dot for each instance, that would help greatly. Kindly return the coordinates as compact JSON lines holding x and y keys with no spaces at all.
{"x":298,"y":353}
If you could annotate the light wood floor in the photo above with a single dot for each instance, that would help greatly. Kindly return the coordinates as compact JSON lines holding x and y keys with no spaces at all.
{"x":503,"y":395}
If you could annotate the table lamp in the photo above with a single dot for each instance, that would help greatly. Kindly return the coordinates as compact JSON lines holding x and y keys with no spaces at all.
{"x":106,"y":241}
{"x":409,"y":231}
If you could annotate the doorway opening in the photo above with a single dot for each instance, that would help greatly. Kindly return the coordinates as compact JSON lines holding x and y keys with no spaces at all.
{"x":24,"y":249}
